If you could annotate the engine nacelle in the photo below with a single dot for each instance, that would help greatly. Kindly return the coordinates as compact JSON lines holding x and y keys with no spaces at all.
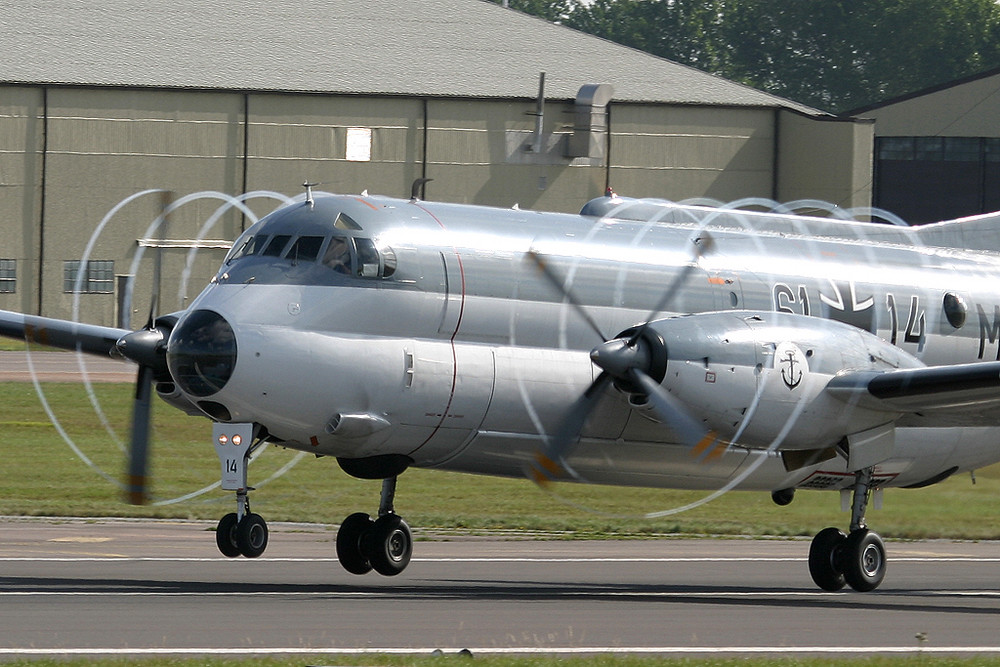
{"x":760,"y":377}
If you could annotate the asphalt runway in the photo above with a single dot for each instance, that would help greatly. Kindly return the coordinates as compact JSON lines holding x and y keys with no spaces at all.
{"x":87,"y":588}
{"x":63,"y":367}
{"x":116,"y":587}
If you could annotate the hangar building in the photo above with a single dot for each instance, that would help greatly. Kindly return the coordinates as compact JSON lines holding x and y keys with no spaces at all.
{"x":101,"y":101}
{"x":937,"y":151}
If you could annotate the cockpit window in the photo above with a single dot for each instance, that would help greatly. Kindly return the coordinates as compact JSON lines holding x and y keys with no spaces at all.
{"x":276,"y":245}
{"x":367,"y":258}
{"x":346,"y":223}
{"x":308,"y":252}
{"x":389,"y":262}
{"x":338,"y":255}
{"x":251,"y":246}
{"x":305,"y":249}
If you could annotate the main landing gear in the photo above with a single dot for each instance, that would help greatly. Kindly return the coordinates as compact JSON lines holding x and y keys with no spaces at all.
{"x":856,"y":560}
{"x":239,"y":533}
{"x":384,"y":544}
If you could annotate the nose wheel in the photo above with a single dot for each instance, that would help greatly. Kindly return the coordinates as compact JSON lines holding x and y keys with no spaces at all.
{"x":856,"y":559}
{"x":241,"y":536}
{"x":384,"y":544}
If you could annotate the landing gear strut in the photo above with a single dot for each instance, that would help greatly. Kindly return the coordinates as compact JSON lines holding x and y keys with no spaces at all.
{"x":239,"y":533}
{"x":857,"y":559}
{"x":384,"y":544}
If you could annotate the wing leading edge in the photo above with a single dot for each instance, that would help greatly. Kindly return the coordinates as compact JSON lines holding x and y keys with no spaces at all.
{"x":64,"y":334}
{"x":957,"y":395}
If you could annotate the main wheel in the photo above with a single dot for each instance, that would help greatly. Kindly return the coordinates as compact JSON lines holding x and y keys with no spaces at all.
{"x":349,"y":543}
{"x":225,"y":535}
{"x":823,"y":559}
{"x":251,"y":535}
{"x":389,"y":545}
{"x":863,"y":560}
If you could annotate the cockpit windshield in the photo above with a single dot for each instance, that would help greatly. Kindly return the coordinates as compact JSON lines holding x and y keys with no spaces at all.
{"x":277,"y":244}
{"x":287,"y":250}
{"x":305,"y":248}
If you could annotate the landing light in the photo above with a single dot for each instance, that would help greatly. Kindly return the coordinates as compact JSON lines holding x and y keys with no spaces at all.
{"x":237,"y":439}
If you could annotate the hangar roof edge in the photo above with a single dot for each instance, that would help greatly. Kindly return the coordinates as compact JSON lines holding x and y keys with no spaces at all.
{"x":437,"y":48}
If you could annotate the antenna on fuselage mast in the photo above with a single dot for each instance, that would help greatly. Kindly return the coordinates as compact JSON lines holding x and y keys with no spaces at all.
{"x":309,"y":193}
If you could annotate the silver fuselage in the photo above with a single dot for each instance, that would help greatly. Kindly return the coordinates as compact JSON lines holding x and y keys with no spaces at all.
{"x":439,"y":341}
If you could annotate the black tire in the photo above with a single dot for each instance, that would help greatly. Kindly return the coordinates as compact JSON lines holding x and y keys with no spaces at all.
{"x":225,"y":535}
{"x":863,"y":560}
{"x":824,"y":559}
{"x":349,"y":543}
{"x":251,"y":535}
{"x":389,"y":545}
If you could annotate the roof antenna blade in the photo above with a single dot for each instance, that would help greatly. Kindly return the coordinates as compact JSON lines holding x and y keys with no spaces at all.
{"x":417,"y":189}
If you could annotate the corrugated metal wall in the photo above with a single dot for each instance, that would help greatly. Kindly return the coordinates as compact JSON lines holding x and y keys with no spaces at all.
{"x":682,"y":152}
{"x":22,"y":142}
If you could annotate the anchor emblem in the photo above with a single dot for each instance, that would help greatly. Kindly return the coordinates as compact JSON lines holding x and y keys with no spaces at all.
{"x":792,"y":363}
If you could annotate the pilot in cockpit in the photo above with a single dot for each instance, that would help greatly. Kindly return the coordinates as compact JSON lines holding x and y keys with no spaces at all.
{"x":338,"y":255}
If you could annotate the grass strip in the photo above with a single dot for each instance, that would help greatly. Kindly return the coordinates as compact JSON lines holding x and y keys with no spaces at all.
{"x":44,"y":477}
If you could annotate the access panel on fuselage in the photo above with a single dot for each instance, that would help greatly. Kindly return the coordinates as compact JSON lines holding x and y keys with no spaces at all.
{"x":448,"y":390}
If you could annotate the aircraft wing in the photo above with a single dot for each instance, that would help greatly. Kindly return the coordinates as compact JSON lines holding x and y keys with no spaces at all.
{"x":63,"y":334}
{"x":958,"y":395}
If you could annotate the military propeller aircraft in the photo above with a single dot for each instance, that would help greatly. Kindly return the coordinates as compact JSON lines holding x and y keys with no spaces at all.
{"x":638,"y":343}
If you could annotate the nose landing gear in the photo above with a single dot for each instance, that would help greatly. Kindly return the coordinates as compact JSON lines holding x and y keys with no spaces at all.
{"x":856,"y":560}
{"x":384,"y":544}
{"x":239,"y":533}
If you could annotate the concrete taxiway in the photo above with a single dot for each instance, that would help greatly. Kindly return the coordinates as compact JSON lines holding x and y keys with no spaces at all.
{"x":84,"y":587}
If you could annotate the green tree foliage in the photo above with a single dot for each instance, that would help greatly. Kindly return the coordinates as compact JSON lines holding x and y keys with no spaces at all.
{"x":831,"y":54}
{"x":687,"y":31}
{"x":550,"y":10}
{"x":841,"y":54}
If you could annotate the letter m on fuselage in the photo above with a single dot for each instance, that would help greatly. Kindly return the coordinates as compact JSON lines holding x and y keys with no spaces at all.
{"x":988,"y":331}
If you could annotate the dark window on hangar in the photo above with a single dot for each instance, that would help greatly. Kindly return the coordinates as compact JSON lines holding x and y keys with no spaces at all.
{"x":98,"y":277}
{"x":927,"y":179}
{"x":8,"y":276}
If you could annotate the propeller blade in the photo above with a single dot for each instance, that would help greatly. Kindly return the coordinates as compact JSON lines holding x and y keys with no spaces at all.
{"x":672,"y":412}
{"x":151,"y":320}
{"x":701,"y":245}
{"x":557,"y":282}
{"x":166,"y":200}
{"x":138,"y":454}
{"x":550,"y":463}
{"x":619,"y":359}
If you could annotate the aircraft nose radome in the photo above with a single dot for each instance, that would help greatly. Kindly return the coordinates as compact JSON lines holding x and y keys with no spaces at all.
{"x":201,"y":353}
